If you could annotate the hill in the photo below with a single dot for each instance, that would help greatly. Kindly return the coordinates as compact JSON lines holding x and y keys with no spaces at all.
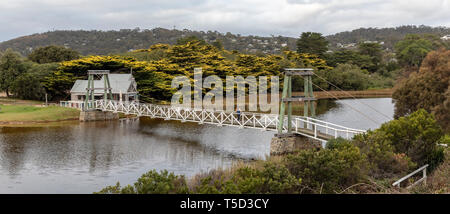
{"x":389,"y":36}
{"x":109,"y":42}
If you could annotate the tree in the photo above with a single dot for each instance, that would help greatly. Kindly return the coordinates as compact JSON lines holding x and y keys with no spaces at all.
{"x":185,"y":40}
{"x":349,"y":57}
{"x":29,"y":85}
{"x":373,"y":50}
{"x":348,"y":77}
{"x":313,"y":43}
{"x":427,"y":88}
{"x":412,"y":50}
{"x":218,"y":44}
{"x":11,"y":66}
{"x":53,"y":53}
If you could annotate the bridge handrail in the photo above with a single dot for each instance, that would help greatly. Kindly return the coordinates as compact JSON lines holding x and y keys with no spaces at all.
{"x":355,"y":131}
{"x":332,"y":124}
{"x":424,"y":177}
{"x":310,"y":122}
{"x":70,"y":104}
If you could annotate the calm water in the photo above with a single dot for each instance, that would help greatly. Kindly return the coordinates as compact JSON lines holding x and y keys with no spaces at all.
{"x":85,"y":157}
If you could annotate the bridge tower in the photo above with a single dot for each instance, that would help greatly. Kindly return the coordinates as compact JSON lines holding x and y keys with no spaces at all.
{"x":290,"y":142}
{"x":307,"y":98}
{"x":90,"y":90}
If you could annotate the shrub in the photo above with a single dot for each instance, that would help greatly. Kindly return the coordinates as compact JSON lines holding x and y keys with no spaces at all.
{"x":273,"y":178}
{"x":152,"y":182}
{"x":383,"y":161}
{"x":416,"y":135}
{"x":329,"y":170}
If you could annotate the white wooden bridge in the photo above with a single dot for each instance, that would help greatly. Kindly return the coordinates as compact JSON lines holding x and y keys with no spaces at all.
{"x":306,"y":126}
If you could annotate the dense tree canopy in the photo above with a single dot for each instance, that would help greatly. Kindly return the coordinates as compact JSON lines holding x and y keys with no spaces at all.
{"x":373,"y":50}
{"x":427,"y":89}
{"x":52,"y":53}
{"x":312,"y":43}
{"x":11,"y":66}
{"x":412,"y":50}
{"x":161,"y":63}
{"x":350,"y":57}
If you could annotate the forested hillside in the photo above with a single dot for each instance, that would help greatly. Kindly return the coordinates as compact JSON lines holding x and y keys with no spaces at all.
{"x":112,"y":42}
{"x":389,"y":36}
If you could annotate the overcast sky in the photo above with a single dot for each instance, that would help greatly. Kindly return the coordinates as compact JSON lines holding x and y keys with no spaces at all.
{"x":262,"y":17}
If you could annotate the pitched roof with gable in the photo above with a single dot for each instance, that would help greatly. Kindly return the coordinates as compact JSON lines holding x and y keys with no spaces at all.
{"x":119,"y":83}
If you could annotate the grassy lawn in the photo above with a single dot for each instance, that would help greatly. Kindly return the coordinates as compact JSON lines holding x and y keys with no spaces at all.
{"x":27,"y":113}
{"x":13,"y":101}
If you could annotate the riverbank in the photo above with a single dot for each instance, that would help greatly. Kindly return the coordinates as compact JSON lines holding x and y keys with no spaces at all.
{"x":351,"y":94}
{"x":343,"y":166}
{"x":30,"y":115}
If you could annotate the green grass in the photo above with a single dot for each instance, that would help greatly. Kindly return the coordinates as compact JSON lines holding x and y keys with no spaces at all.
{"x":24,"y":113}
{"x":13,"y":101}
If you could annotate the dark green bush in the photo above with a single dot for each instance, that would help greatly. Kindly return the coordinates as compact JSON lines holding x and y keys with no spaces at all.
{"x":273,"y":178}
{"x":152,"y":182}
{"x":383,"y":162}
{"x":416,"y":135}
{"x":329,"y":170}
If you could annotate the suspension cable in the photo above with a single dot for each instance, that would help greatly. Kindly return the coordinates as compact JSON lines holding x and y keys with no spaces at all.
{"x":354,"y":98}
{"x":375,"y":122}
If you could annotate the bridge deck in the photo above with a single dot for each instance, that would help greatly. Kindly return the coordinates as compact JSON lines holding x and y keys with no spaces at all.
{"x":306,"y":126}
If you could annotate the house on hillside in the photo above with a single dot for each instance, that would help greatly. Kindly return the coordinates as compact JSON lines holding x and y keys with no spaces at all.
{"x":124,"y":88}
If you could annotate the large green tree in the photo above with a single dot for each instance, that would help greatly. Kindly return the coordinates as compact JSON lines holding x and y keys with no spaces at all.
{"x":313,"y":43}
{"x":29,"y":85}
{"x":412,"y":50}
{"x":427,"y":89}
{"x":11,"y":66}
{"x":373,"y":50}
{"x":348,"y":57}
{"x":53,"y":53}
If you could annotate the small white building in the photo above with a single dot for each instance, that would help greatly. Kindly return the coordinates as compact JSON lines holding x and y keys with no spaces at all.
{"x":122,"y":85}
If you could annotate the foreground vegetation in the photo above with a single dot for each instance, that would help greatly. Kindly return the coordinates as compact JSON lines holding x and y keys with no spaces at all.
{"x":369,"y":163}
{"x":14,"y":114}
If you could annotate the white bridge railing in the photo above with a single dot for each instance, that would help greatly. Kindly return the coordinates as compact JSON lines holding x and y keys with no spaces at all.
{"x":306,"y":126}
{"x":423,"y":179}
{"x":72,"y":104}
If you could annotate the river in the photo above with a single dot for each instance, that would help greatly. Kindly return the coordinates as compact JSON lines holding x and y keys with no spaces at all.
{"x":85,"y":157}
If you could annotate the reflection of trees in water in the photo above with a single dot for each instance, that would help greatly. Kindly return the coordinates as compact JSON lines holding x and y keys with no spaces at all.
{"x":109,"y":148}
{"x":190,"y":135}
{"x":43,"y":146}
{"x":99,"y":139}
{"x":324,"y":105}
{"x":13,"y":149}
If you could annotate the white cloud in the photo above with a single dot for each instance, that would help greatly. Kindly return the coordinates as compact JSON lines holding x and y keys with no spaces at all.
{"x":283,"y":17}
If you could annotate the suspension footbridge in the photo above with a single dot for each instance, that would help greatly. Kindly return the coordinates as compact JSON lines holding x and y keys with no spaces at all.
{"x":309,"y":127}
{"x":305,"y":126}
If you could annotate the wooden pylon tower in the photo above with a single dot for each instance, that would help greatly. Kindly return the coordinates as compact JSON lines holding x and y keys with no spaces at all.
{"x":287,"y":97}
{"x":90,"y":90}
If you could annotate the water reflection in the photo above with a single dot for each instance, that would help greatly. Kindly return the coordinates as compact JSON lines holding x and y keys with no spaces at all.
{"x":84,"y":157}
